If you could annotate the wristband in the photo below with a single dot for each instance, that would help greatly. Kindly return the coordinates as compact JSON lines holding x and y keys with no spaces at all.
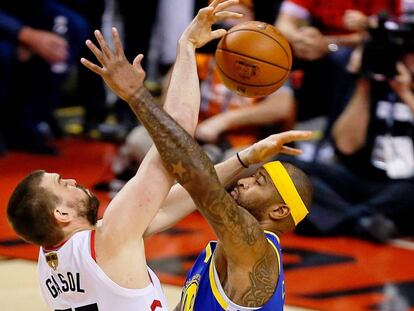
{"x":241,"y":162}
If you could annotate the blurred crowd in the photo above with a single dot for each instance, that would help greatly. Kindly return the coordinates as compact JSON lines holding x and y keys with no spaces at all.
{"x":352,"y":68}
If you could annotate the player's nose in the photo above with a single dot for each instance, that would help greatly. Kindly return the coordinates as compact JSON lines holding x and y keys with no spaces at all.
{"x":244,"y":182}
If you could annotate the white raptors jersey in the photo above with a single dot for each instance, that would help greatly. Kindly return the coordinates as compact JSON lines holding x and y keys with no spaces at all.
{"x":71,"y":280}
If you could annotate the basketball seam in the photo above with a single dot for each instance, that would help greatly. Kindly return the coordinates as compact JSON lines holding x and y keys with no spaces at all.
{"x":252,"y":85}
{"x":256,"y":59}
{"x":265,"y":34}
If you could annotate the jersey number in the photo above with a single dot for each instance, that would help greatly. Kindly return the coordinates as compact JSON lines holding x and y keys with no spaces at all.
{"x":92,"y":307}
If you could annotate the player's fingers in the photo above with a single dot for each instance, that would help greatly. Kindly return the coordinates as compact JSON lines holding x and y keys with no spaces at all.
{"x":290,"y":150}
{"x":215,"y":3}
{"x":95,"y":68}
{"x":119,"y":51}
{"x":205,"y":12}
{"x":289,"y":136}
{"x":216,"y":34}
{"x":102,"y":44}
{"x":137,"y":61}
{"x":226,"y":14}
{"x":94,"y":49}
{"x":221,"y":6}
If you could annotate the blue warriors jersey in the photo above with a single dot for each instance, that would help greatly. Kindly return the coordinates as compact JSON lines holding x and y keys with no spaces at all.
{"x":202,"y":293}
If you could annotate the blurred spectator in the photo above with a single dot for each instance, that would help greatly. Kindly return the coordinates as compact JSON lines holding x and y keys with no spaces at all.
{"x":172,"y":18}
{"x":322,"y":35}
{"x":138,"y":23}
{"x":39,"y":40}
{"x":368,"y":192}
{"x":90,"y":91}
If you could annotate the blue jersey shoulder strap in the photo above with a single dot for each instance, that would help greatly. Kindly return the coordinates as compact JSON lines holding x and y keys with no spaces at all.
{"x":201,"y":291}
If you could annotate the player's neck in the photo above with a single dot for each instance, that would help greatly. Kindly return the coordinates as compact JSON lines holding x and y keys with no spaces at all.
{"x":69,"y":232}
{"x":269,"y":225}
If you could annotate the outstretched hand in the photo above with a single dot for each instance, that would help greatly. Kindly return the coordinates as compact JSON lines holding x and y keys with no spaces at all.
{"x":199,"y":32}
{"x":273,"y":145}
{"x":122,"y":77}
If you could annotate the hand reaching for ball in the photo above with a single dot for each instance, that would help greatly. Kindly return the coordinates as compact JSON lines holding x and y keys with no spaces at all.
{"x":199,"y":32}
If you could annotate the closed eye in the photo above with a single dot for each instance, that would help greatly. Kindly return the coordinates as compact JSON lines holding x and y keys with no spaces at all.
{"x":260,"y":180}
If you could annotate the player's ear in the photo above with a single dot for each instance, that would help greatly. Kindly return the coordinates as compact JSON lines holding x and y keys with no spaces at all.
{"x":62,"y":214}
{"x":279,"y":211}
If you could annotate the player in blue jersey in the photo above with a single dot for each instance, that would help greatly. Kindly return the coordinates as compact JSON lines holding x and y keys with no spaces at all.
{"x":243,"y":270}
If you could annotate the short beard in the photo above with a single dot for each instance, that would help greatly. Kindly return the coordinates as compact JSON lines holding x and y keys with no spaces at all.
{"x":90,"y":207}
{"x":256,"y":208}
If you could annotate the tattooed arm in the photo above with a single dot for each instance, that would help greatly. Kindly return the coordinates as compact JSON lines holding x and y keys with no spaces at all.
{"x":241,"y":234}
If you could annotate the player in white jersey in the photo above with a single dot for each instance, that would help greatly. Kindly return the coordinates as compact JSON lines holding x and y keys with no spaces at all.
{"x":70,"y":276}
{"x":84,"y":266}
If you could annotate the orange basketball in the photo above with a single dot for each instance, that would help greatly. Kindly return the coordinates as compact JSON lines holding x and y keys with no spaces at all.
{"x":254,"y":59}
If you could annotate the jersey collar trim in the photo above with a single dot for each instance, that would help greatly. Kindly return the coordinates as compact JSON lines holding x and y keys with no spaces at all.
{"x":53,"y":248}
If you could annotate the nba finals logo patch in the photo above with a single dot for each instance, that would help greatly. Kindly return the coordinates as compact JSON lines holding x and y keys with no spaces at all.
{"x":52,"y":260}
{"x":190,"y":293}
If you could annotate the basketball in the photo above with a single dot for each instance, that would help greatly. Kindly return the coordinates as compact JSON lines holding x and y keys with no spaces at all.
{"x":253,"y":59}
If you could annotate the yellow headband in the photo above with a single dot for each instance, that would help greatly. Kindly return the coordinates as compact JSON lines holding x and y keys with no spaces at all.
{"x":287,"y":190}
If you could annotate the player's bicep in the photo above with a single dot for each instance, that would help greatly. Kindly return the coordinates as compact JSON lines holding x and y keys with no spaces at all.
{"x":134,"y":207}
